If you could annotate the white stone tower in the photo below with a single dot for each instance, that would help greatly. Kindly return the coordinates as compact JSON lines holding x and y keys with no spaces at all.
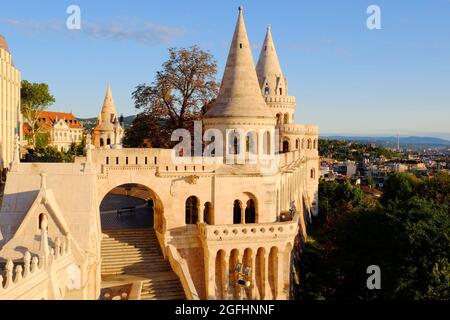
{"x":109,"y":132}
{"x":240,"y":107}
{"x":274,"y":87}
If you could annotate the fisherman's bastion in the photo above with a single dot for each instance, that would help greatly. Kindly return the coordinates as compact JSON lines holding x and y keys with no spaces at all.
{"x":221,"y":226}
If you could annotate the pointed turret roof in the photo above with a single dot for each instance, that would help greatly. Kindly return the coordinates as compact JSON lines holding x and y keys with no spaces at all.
{"x":268,"y":68}
{"x":239,"y":95}
{"x":108,"y":103}
{"x":3,"y":43}
{"x":108,"y":114}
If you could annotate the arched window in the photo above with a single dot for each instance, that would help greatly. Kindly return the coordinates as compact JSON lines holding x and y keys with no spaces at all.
{"x":281,"y":91}
{"x":192,"y":210}
{"x":297,"y":144}
{"x":41,"y":218}
{"x":313,"y":174}
{"x":266,"y":91}
{"x":286,"y":146}
{"x":279,"y":118}
{"x":286,"y":118}
{"x":207,"y":213}
{"x":102,"y":143}
{"x":250,"y":212}
{"x":108,"y":141}
{"x":233,"y":143}
{"x":251,"y":142}
{"x":237,"y":212}
{"x":315,"y":144}
{"x":309,"y":143}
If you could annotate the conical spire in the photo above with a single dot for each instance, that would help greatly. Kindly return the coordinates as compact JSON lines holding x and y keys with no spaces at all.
{"x":268,"y":68}
{"x":108,"y":103}
{"x":239,"y":95}
{"x":108,"y":114}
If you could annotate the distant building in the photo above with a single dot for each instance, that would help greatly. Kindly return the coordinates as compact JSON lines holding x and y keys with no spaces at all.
{"x":109,"y":131}
{"x":347,"y":168}
{"x":63,"y":129}
{"x":10,"y":116}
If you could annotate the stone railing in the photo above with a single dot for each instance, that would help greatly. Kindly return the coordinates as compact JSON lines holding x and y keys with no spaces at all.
{"x":40,"y":276}
{"x":248,"y":232}
{"x":180,"y":267}
{"x":299,"y":129}
{"x":23,"y":280}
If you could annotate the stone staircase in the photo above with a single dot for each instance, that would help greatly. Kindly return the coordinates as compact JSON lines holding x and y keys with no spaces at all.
{"x":136,"y":252}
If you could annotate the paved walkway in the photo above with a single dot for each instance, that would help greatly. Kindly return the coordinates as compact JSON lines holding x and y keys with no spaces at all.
{"x":143,"y":217}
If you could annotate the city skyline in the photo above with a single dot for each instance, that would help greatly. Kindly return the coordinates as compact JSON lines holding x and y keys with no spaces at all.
{"x":348,"y":79}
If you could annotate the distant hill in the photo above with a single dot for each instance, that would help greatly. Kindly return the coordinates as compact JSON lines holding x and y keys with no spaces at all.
{"x":90,"y":123}
{"x":391,"y":142}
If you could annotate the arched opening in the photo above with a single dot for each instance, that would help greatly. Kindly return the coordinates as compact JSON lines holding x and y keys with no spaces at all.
{"x":309,"y":144}
{"x":207,"y":213}
{"x":281,"y":91}
{"x":279,"y":118}
{"x":233,"y":143}
{"x":312,"y":174}
{"x":251,"y":142}
{"x":315,"y":144}
{"x":237,"y":212}
{"x":285,"y":145}
{"x":102,"y":143}
{"x":266,"y":91}
{"x":131,"y":206}
{"x":41,"y":218}
{"x":286,"y":118}
{"x":191,"y":213}
{"x":108,"y":141}
{"x":250,"y":212}
{"x":297,"y":144}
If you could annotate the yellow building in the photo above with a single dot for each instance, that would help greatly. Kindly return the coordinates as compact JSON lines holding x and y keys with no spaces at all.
{"x":10,"y":117}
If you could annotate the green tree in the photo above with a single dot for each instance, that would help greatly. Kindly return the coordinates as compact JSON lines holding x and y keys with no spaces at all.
{"x":34,"y":98}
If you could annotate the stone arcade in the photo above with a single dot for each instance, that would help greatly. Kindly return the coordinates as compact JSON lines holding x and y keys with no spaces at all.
{"x":50,"y":227}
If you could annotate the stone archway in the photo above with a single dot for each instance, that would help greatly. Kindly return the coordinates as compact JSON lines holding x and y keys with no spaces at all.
{"x":131,"y":205}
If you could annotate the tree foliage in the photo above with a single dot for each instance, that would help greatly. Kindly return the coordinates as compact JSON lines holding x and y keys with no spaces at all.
{"x":34,"y":98}
{"x":406,"y":233}
{"x":180,"y":94}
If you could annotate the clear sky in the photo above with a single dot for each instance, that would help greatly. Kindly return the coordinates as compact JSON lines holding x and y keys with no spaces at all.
{"x":347,"y":78}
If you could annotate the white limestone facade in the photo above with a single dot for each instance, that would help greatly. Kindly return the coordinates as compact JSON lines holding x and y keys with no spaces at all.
{"x":10,"y":116}
{"x":241,"y":199}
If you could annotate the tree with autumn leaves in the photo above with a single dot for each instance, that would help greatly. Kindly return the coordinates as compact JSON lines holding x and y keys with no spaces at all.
{"x":180,"y":94}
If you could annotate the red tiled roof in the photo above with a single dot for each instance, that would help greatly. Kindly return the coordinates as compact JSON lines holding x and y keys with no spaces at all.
{"x":48,"y":118}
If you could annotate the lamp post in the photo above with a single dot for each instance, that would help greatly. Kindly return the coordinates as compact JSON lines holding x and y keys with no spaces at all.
{"x":242,"y":276}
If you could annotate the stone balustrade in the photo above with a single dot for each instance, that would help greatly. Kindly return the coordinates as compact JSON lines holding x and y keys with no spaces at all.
{"x":33,"y":270}
{"x":247,"y":232}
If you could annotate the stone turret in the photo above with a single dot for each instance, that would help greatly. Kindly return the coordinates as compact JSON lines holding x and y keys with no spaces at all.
{"x":273,"y":85}
{"x":268,"y":69}
{"x":108,"y":133}
{"x":240,"y":108}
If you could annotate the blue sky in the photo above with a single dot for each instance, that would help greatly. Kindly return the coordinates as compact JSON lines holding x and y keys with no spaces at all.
{"x":347,"y":78}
